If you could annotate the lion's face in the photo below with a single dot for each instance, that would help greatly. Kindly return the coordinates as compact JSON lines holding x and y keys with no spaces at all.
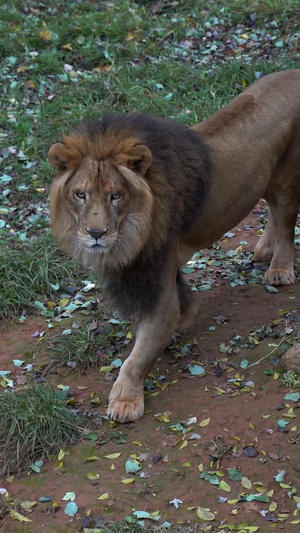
{"x":99,"y":198}
{"x":100,"y":208}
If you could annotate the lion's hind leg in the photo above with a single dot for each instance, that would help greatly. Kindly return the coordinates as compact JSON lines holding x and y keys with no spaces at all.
{"x":263,"y":251}
{"x":187,"y":303}
{"x":284,"y":218}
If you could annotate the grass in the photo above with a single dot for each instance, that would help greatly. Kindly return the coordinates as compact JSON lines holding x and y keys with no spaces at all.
{"x":83,"y":348}
{"x":292,"y":380}
{"x":31,"y":273}
{"x":34,"y":425}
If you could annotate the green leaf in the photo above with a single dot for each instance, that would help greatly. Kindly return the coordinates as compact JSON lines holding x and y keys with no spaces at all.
{"x":280,"y":476}
{"x":71,"y":509}
{"x":205,"y":287}
{"x":196,"y":370}
{"x":132,"y":467}
{"x":235,"y":474}
{"x":292,"y":397}
{"x":211,"y":478}
{"x":271,"y":289}
{"x":283,"y":423}
{"x":244,"y":363}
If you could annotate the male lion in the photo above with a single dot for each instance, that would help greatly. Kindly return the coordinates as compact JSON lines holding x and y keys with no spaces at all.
{"x":135,"y":196}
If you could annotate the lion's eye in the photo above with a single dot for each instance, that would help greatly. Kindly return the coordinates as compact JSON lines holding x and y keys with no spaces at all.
{"x":116,"y":196}
{"x":80,"y":194}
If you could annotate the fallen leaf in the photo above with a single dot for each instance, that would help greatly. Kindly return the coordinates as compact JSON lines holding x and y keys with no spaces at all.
{"x":205,"y":514}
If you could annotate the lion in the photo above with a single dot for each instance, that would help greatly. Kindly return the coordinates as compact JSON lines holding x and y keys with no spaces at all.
{"x":135,"y":196}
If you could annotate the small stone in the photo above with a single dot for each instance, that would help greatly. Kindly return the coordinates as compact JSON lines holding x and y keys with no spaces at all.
{"x":291,"y":359}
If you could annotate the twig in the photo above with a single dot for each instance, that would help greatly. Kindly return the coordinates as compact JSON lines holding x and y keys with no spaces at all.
{"x":268,"y":354}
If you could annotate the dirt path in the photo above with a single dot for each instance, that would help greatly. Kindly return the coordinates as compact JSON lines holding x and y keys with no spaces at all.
{"x":194,"y":441}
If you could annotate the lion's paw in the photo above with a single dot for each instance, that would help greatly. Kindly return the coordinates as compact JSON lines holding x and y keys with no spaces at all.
{"x":279,"y":276}
{"x":126,"y":401}
{"x":126,"y":409}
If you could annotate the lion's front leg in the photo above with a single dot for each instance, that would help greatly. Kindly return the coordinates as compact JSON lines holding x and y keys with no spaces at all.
{"x":126,"y":400}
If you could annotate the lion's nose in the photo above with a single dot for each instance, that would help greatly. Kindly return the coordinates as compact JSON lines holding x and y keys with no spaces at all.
{"x":96,"y":233}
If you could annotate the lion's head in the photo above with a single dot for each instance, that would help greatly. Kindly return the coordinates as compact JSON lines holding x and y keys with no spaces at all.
{"x":101,"y":205}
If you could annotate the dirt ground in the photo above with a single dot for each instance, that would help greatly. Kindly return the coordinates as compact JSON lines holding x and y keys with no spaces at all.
{"x":196,"y":440}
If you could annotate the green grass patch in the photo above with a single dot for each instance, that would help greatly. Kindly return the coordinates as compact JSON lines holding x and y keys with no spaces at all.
{"x":32,"y":272}
{"x":83,"y":348}
{"x":35,"y":424}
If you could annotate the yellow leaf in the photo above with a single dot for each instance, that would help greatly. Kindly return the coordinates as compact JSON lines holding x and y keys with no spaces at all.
{"x":201,"y":467}
{"x":104,"y":496}
{"x":113,"y":467}
{"x":203,"y":424}
{"x":67,"y":46}
{"x":128,"y":480}
{"x":129,"y":36}
{"x":80,"y":387}
{"x":205,"y":514}
{"x":234,"y":511}
{"x":61,"y":455}
{"x":113,"y":455}
{"x":224,"y":486}
{"x":27,"y":505}
{"x":295,"y":522}
{"x":21,"y":69}
{"x":272,"y":507}
{"x":106,"y":368}
{"x":265,"y":416}
{"x":220,"y":391}
{"x":183,"y":445}
{"x":188,"y":464}
{"x":30,"y":84}
{"x":129,"y":335}
{"x":137,"y":442}
{"x":92,"y":458}
{"x":246,"y":483}
{"x":251,"y":425}
{"x":276,"y":375}
{"x":58,"y":465}
{"x":92,"y":476}
{"x":46,"y":35}
{"x":18,"y":516}
{"x":63,"y":302}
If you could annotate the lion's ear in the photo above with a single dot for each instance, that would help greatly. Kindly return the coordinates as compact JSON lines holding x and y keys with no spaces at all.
{"x":138,"y":159}
{"x":59,"y":158}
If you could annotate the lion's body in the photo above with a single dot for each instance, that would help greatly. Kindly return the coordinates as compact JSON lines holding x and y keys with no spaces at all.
{"x":136,"y":196}
{"x":255,"y":146}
